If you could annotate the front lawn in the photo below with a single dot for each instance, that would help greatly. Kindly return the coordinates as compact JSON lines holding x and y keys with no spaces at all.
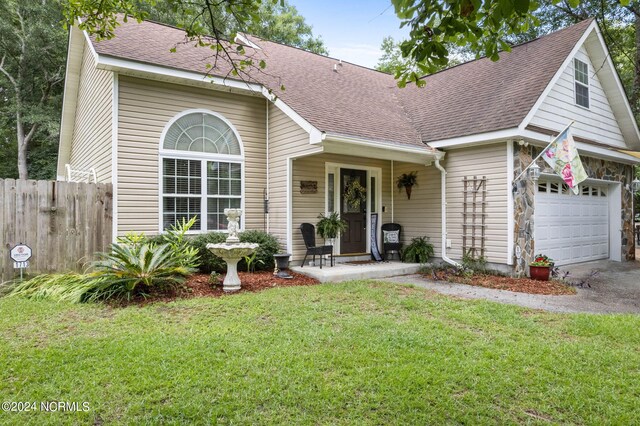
{"x":358,"y":352}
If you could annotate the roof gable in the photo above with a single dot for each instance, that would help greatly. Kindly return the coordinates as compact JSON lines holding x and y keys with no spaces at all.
{"x":610,"y":120}
{"x":483,"y":96}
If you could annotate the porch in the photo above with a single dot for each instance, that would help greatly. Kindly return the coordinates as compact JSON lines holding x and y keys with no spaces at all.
{"x":351,"y":271}
{"x":319,"y":184}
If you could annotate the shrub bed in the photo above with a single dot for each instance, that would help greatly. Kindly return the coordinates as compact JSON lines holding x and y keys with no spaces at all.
{"x":264,"y":254}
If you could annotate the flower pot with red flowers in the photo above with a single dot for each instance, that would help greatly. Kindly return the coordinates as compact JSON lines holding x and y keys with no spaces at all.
{"x":540,"y":268}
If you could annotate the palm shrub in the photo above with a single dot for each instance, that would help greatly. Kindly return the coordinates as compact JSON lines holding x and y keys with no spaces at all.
{"x":420,"y":250}
{"x":129,"y":270}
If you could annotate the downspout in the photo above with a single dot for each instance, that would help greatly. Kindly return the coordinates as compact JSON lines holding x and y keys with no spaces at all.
{"x":266,"y":202}
{"x":443,"y":186}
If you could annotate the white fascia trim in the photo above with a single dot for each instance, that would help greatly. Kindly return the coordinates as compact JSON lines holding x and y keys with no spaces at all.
{"x":389,"y":145}
{"x":591,"y":150}
{"x":622,"y":92}
{"x":488,"y":137}
{"x":111,"y":63}
{"x":114,"y":155}
{"x":315,"y":135}
{"x":88,"y":40}
{"x":510,"y":207}
{"x":69,"y":103}
{"x":556,"y":76}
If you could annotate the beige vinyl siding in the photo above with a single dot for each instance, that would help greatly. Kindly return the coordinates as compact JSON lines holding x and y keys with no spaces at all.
{"x":421,"y":215}
{"x":91,"y":143}
{"x":559,"y":107}
{"x":484,"y":160}
{"x":145,"y":107}
{"x":307,"y":207}
{"x":286,"y":139}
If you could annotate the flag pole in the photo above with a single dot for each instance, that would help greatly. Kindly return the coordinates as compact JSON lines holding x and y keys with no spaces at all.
{"x":542,"y":152}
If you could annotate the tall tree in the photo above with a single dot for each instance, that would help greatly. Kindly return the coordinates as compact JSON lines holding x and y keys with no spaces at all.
{"x":393,"y":62}
{"x":391,"y":59}
{"x":281,"y":22}
{"x":481,"y":25}
{"x":32,"y":59}
{"x":276,"y":21}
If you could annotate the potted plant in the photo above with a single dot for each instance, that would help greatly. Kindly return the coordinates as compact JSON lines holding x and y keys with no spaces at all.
{"x":540,"y":268}
{"x":419,"y":251}
{"x":406,"y":181}
{"x":329,"y":227}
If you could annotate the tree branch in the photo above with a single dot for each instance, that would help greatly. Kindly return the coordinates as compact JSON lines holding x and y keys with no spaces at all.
{"x":6,"y":73}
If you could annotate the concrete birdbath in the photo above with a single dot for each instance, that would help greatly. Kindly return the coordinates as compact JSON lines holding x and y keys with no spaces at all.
{"x":232,"y":251}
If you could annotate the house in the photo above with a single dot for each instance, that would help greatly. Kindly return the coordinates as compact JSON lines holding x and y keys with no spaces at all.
{"x":177,"y":142}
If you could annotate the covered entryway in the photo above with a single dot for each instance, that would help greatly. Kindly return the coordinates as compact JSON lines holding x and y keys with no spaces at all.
{"x":572,"y":228}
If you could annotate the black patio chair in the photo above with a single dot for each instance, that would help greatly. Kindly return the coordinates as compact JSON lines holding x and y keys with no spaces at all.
{"x":391,"y":247}
{"x":309,"y":237}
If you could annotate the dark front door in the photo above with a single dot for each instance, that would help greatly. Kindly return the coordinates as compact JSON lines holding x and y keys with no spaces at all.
{"x":353,"y":209}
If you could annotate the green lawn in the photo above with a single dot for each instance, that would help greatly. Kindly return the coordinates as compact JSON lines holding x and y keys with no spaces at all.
{"x":357,"y":352}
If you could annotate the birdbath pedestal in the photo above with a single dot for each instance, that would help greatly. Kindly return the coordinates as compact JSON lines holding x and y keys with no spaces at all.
{"x":232,"y":250}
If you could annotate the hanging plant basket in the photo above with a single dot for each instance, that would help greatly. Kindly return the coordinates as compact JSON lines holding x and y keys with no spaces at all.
{"x":407,"y":181}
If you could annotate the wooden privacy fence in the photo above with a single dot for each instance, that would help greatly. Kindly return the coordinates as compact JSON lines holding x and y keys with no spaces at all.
{"x":64,"y":223}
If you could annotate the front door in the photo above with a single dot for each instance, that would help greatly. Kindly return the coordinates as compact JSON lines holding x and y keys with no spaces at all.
{"x":353,"y":209}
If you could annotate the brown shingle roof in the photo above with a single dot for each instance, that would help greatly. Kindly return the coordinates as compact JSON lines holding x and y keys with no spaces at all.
{"x":482,"y":95}
{"x":475,"y":97}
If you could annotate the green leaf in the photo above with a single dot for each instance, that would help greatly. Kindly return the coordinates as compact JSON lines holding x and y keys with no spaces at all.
{"x":521,"y":6}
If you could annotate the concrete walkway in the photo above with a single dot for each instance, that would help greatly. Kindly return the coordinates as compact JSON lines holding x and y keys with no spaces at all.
{"x":616,"y":289}
{"x":347,"y":272}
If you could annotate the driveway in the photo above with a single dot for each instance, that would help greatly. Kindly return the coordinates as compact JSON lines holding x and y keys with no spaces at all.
{"x":615,"y":289}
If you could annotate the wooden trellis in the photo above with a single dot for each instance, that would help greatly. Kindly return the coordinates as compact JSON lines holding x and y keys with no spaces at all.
{"x":474,"y":217}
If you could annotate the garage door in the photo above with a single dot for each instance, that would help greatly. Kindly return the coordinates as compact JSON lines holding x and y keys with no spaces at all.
{"x":572,"y":228}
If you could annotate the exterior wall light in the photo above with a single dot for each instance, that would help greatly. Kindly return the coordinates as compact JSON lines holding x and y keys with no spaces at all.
{"x":534,"y":172}
{"x":635,"y":185}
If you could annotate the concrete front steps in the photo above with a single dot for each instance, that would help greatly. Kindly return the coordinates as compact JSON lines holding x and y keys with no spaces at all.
{"x":348,"y":272}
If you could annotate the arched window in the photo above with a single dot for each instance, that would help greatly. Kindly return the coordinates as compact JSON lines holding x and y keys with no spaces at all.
{"x":202,"y":170}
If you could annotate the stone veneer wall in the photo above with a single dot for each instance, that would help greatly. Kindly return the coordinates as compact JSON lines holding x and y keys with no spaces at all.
{"x":524,"y":201}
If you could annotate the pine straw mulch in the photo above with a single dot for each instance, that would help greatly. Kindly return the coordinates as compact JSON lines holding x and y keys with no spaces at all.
{"x":199,"y":285}
{"x":520,"y":285}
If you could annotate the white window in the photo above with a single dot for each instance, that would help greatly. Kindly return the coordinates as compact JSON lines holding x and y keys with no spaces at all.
{"x":581,"y":74}
{"x":201,"y":170}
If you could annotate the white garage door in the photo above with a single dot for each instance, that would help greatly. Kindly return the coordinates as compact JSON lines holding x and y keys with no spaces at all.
{"x":572,"y":228}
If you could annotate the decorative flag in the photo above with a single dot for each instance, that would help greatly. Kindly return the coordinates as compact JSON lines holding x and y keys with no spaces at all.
{"x":562,"y":156}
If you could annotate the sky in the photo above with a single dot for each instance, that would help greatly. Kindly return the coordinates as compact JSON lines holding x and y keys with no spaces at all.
{"x":352,"y":30}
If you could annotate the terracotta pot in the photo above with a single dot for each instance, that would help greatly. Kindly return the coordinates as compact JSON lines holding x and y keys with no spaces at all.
{"x":540,"y":273}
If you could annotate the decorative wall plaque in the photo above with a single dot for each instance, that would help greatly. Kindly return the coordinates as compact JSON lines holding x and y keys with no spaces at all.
{"x":308,"y":186}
